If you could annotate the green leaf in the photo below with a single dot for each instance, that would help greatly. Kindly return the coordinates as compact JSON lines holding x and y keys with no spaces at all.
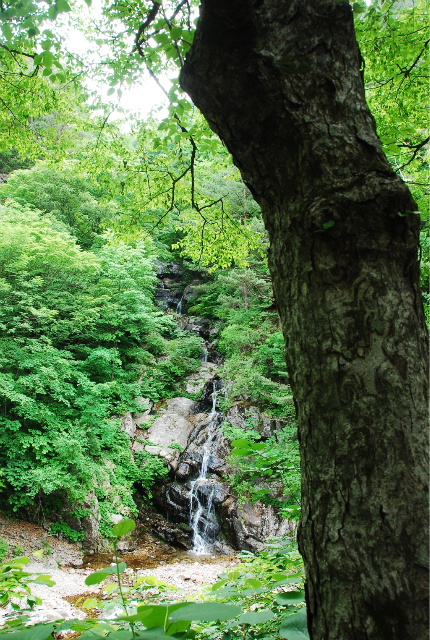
{"x":110,"y":91}
{"x":89,"y":603}
{"x":154,"y":616}
{"x":47,"y":71}
{"x":253,"y":592}
{"x":32,"y":31}
{"x":257,"y":446}
{"x":99,"y":576}
{"x":46,"y":44}
{"x":295,"y":626}
{"x":206,"y":611}
{"x":291,"y":597}
{"x":53,"y":12}
{"x":45,"y":579}
{"x":17,"y":561}
{"x":63,"y":6}
{"x":328,"y":225}
{"x":7,"y":32}
{"x":123,"y":527}
{"x":240,"y":452}
{"x":47,"y":57}
{"x":40,"y":631}
{"x":253,"y":582}
{"x":242,"y":443}
{"x":256,"y":617}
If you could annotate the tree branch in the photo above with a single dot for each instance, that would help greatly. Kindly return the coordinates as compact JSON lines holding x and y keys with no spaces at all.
{"x":416,"y":148}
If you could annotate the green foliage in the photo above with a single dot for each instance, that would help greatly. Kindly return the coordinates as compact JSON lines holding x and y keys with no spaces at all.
{"x":169,"y":360}
{"x":4,"y":547}
{"x":257,"y":585}
{"x":10,"y":160}
{"x":250,"y":339}
{"x":65,"y":194}
{"x":67,"y":532}
{"x":268,"y":471}
{"x":14,"y":584}
{"x":393,"y":39}
{"x":72,"y":326}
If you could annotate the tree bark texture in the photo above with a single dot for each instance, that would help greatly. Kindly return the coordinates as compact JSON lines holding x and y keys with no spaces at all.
{"x":280,"y":82}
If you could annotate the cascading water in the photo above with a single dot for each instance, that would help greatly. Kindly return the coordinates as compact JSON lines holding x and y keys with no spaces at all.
{"x":179,"y":307}
{"x":203,"y":520}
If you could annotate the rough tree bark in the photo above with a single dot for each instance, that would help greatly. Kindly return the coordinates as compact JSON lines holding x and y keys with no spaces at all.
{"x":280,"y":82}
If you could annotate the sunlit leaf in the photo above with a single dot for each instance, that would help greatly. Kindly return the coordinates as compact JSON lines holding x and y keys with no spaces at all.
{"x":295,"y":626}
{"x":123,"y":527}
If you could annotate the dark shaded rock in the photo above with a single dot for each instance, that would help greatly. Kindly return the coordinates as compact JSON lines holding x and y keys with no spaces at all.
{"x":249,"y":526}
{"x":200,"y":326}
{"x":242,"y":414}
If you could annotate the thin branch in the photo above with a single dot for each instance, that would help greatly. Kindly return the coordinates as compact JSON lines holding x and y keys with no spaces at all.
{"x":407,"y":71}
{"x":416,"y":148}
{"x":20,"y":53}
{"x":104,"y":124}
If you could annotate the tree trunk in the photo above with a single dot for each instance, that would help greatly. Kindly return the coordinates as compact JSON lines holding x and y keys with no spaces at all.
{"x":280,"y":82}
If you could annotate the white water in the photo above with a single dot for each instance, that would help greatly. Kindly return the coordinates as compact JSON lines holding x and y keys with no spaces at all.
{"x":179,"y":307}
{"x":201,"y":516}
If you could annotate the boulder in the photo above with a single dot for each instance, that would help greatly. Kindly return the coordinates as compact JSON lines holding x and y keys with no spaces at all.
{"x":249,"y":526}
{"x":170,"y":428}
{"x":183,"y":407}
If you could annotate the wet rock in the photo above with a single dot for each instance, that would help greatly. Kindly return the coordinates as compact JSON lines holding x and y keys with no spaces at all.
{"x":191,"y":459}
{"x":169,"y":293}
{"x":200,"y":326}
{"x":197,"y":382}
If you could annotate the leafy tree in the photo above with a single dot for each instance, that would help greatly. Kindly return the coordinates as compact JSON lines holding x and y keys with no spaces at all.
{"x":65,"y":194}
{"x":73,"y":326}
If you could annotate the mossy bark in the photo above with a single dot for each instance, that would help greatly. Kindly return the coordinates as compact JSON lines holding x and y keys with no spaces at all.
{"x":280,"y":82}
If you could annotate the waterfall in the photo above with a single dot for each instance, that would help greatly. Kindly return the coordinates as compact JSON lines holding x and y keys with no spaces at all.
{"x":179,"y":306}
{"x":202,"y":519}
{"x":205,"y":354}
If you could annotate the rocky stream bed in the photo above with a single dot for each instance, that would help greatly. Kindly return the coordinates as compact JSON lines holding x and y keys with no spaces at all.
{"x":68,"y":568}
